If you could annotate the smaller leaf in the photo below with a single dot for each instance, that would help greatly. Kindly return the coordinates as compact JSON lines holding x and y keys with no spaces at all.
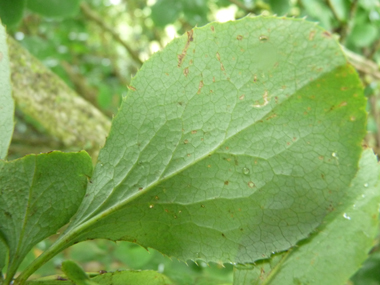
{"x":38,"y":195}
{"x":6,"y":101}
{"x":54,"y":8}
{"x":11,"y":11}
{"x":76,"y":274}
{"x":165,"y":12}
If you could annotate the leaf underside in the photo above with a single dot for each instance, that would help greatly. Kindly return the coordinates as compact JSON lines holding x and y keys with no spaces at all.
{"x":233,"y":142}
{"x":38,"y":195}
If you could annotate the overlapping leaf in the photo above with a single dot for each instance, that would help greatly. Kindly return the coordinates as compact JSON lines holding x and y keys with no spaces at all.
{"x":38,"y":195}
{"x":6,"y":101}
{"x":338,"y":247}
{"x":131,"y":277}
{"x":233,"y":143}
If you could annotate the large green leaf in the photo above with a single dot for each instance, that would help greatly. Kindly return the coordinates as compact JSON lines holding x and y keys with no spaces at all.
{"x":6,"y":101}
{"x":232,"y":143}
{"x":338,"y":247}
{"x":38,"y":195}
{"x":54,"y":8}
{"x":11,"y":11}
{"x":131,"y":277}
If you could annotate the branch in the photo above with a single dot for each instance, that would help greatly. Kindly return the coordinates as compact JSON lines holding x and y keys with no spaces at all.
{"x":91,"y":15}
{"x":41,"y":94}
{"x":362,"y":64}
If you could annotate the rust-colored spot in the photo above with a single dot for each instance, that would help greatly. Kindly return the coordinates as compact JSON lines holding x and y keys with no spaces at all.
{"x":321,"y":157}
{"x":311,"y":35}
{"x":221,"y":64}
{"x":242,"y":97}
{"x":288,"y":143}
{"x":188,"y":155}
{"x":141,"y":188}
{"x":185,"y":141}
{"x":102,"y":271}
{"x":209,"y":165}
{"x":184,"y":51}
{"x":194,"y":132}
{"x":212,"y":28}
{"x":223,"y":235}
{"x":344,"y":103}
{"x":186,"y":71}
{"x":156,"y":197}
{"x":294,"y":138}
{"x":239,"y":37}
{"x":200,"y":87}
{"x":131,"y":88}
{"x":326,"y":34}
{"x":166,"y":210}
{"x":226,"y":182}
{"x":227,"y":148}
{"x":255,"y":78}
{"x":344,"y":88}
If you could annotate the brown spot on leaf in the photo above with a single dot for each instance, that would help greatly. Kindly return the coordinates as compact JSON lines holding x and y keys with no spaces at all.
{"x":212,"y":28}
{"x":184,"y":51}
{"x":326,"y":34}
{"x":226,"y":182}
{"x":185,"y":141}
{"x":311,"y":35}
{"x":186,"y":71}
{"x":200,"y":87}
{"x":131,"y":88}
{"x":242,"y":97}
{"x":194,"y":132}
{"x":239,"y":37}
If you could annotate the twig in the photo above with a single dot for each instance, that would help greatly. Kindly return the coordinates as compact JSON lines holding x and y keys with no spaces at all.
{"x":362,"y":64}
{"x":97,"y":19}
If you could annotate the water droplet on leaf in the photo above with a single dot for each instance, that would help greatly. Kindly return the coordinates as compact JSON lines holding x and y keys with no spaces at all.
{"x":251,"y":184}
{"x":366,"y":185}
{"x":246,"y":170}
{"x":151,"y":206}
{"x":346,"y":216}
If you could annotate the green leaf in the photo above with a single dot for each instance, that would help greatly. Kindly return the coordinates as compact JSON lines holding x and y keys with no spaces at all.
{"x":54,"y":8}
{"x":232,"y":143}
{"x":369,"y":272}
{"x":129,"y":277}
{"x":76,"y":274}
{"x":280,"y":7}
{"x":165,"y":12}
{"x":338,"y":247}
{"x":363,"y":35}
{"x":11,"y":11}
{"x":38,"y":195}
{"x":6,"y":101}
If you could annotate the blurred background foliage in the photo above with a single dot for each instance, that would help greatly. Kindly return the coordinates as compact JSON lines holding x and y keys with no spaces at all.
{"x":96,"y":46}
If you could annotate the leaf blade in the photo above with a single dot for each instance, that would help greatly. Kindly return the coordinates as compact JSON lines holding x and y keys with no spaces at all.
{"x":29,"y":213}
{"x":198,"y":112}
{"x":6,"y":100}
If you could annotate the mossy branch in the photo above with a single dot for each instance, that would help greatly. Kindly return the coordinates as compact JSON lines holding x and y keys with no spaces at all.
{"x":41,"y":94}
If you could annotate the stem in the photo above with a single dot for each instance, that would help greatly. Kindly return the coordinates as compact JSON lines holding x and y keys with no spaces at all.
{"x":276,"y":268}
{"x":97,"y":19}
{"x":61,"y":244}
